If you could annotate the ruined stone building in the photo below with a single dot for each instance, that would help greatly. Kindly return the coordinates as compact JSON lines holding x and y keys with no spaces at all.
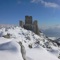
{"x":29,"y":24}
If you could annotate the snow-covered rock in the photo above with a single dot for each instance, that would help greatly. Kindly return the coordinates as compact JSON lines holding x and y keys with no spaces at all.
{"x":41,"y":47}
{"x":10,"y":50}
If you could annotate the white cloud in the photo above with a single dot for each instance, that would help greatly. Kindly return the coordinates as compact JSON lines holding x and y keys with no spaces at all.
{"x":18,"y":1}
{"x":35,"y":1}
{"x":47,"y":4}
{"x":51,"y":31}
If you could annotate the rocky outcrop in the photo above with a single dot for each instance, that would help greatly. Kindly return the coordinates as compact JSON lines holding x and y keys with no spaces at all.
{"x":23,"y":51}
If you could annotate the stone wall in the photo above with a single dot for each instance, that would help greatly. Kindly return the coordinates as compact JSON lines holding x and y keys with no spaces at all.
{"x":28,"y":27}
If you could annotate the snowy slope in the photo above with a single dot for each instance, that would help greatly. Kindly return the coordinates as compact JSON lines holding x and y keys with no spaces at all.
{"x":37,"y":47}
{"x":40,"y":54}
{"x":9,"y":50}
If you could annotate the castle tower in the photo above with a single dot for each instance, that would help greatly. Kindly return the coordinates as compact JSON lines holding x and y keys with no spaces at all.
{"x":21,"y":23}
{"x":35,"y":26}
{"x":28,"y":23}
{"x":28,"y":19}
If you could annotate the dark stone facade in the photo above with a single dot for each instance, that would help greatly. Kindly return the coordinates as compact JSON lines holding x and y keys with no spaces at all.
{"x":30,"y":24}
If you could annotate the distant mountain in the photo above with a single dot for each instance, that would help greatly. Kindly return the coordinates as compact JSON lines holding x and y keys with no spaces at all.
{"x":6,"y":25}
{"x":52,"y":31}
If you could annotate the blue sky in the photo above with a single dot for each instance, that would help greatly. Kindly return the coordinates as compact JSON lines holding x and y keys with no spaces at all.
{"x":47,"y":12}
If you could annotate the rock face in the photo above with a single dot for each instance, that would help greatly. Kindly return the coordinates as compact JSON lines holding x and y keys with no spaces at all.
{"x":23,"y":51}
{"x":30,"y":25}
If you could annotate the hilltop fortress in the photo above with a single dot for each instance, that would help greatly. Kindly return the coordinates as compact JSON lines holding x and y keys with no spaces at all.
{"x":29,"y":24}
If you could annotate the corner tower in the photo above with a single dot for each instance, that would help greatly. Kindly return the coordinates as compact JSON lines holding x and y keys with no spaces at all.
{"x":35,"y":26}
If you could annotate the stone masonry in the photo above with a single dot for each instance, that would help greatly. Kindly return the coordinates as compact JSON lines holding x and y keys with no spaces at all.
{"x":30,"y":24}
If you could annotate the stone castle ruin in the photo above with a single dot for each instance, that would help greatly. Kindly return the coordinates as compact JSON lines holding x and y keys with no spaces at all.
{"x":30,"y":24}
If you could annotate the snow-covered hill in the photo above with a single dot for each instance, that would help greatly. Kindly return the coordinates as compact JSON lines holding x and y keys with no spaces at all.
{"x":36,"y":47}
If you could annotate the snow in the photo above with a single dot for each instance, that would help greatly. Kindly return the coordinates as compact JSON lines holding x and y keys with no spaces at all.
{"x":53,"y":38}
{"x":40,"y":54}
{"x":11,"y":50}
